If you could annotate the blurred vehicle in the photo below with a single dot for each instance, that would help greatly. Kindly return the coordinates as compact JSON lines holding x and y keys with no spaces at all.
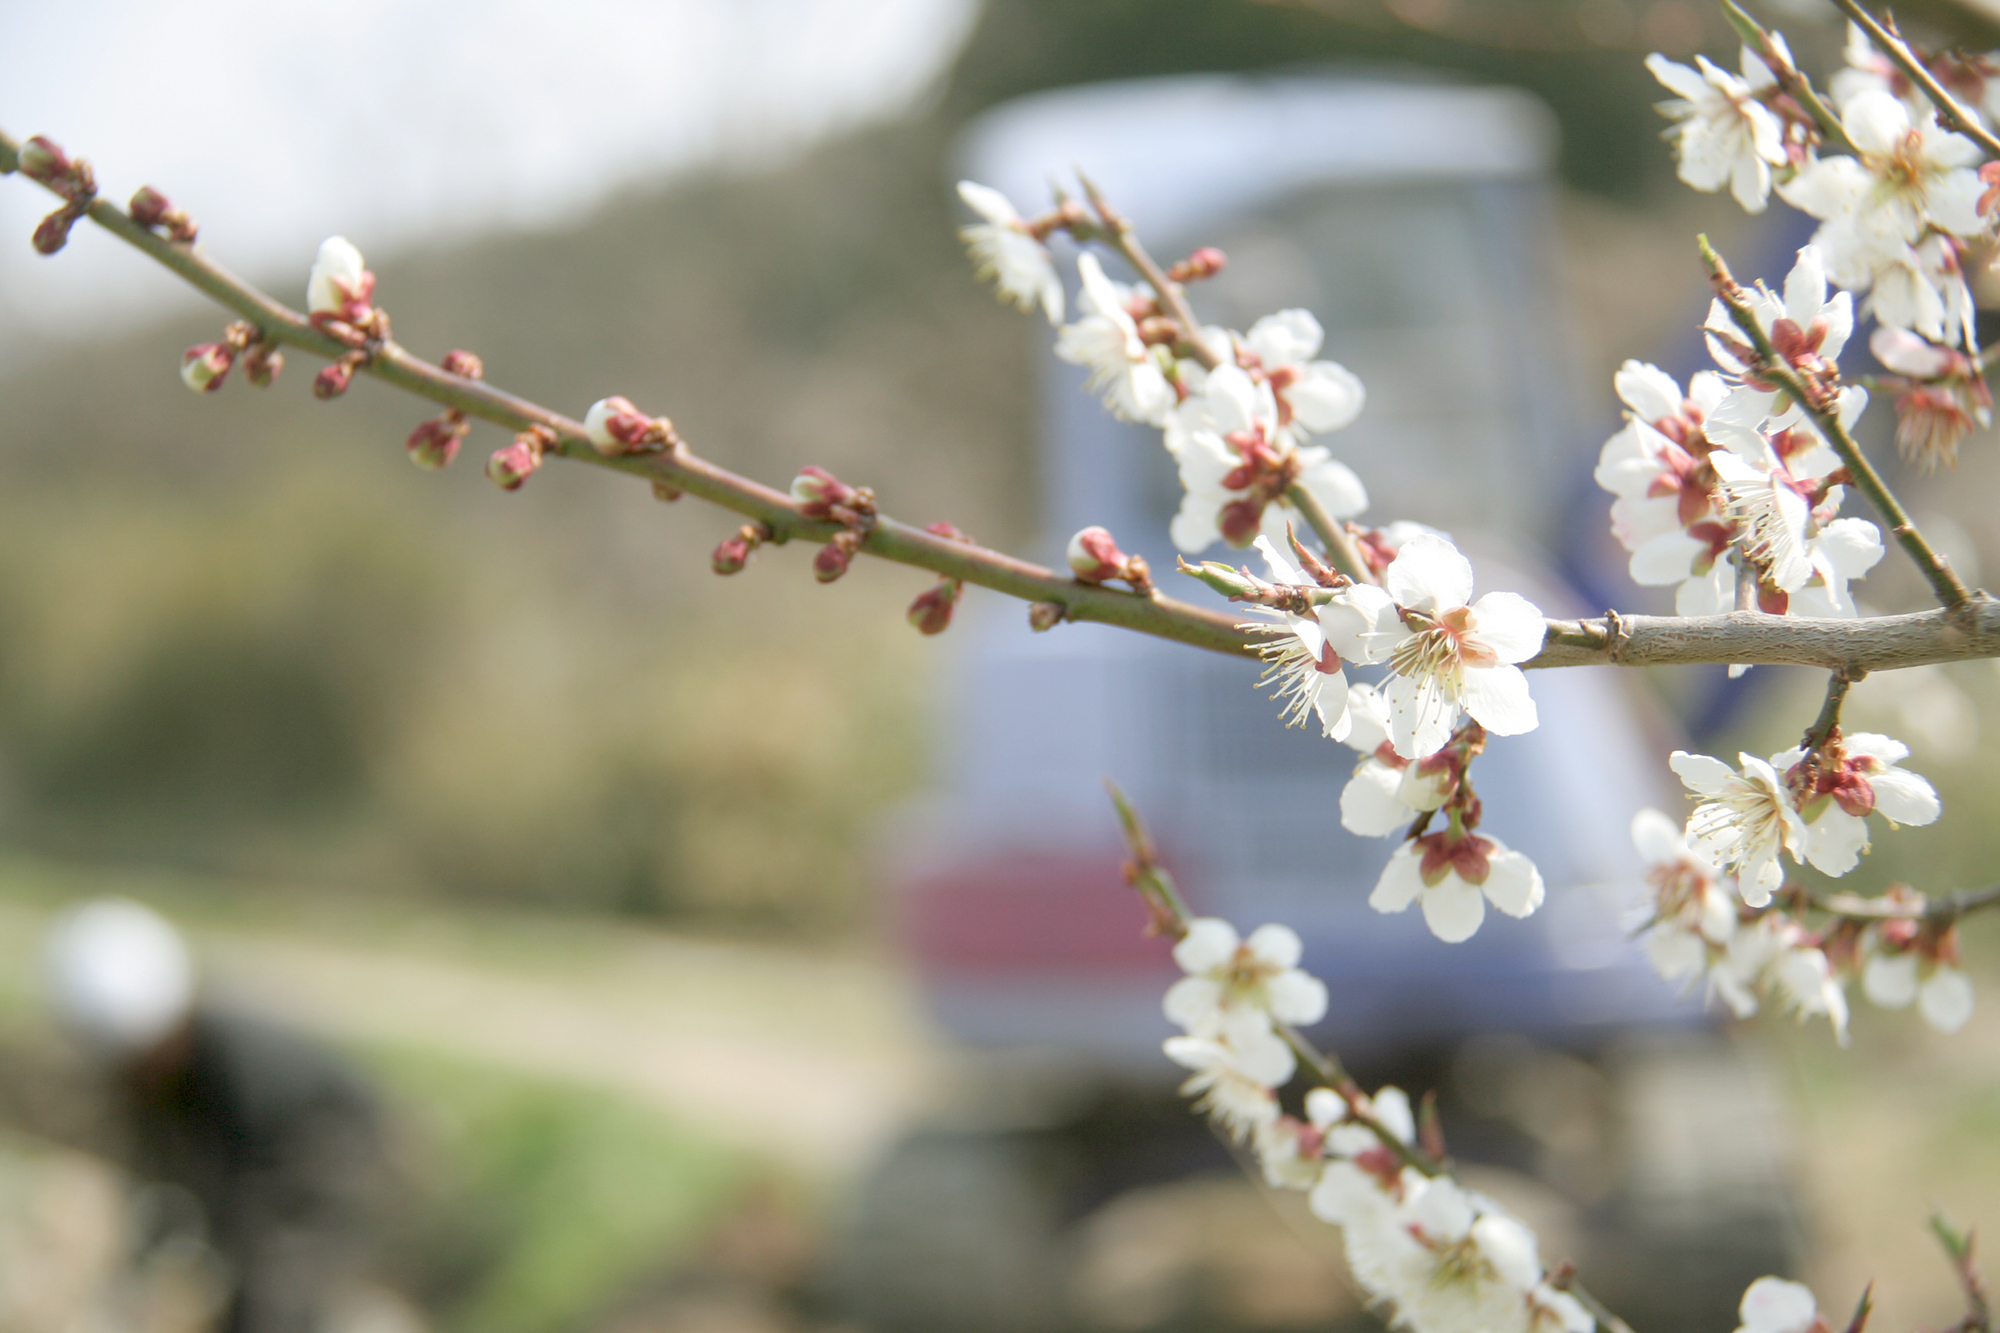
{"x":1414,"y":218}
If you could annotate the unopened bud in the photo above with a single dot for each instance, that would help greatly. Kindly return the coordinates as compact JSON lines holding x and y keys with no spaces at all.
{"x":262,"y":363}
{"x":833,"y":558}
{"x":817,"y":491}
{"x":931,"y":612}
{"x":52,"y":233}
{"x":666,"y":492}
{"x":340,"y":284}
{"x":1094,"y":556}
{"x":150,"y":208}
{"x":616,"y":427}
{"x":434,"y":443}
{"x":511,"y":466}
{"x":1229,"y":582}
{"x":734,"y":552}
{"x":1205,"y":262}
{"x":466,"y":365}
{"x":332,"y":381}
{"x":40,"y":160}
{"x":1045,"y":615}
{"x":204,"y":366}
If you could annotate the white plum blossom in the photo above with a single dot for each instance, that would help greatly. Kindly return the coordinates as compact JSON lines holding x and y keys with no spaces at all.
{"x":1233,"y":1081}
{"x":339,"y":278}
{"x":1005,"y":252}
{"x":1443,"y":654}
{"x":1744,"y":821}
{"x":1453,"y":875}
{"x":1312,"y":396}
{"x":1853,"y":776}
{"x":1387,"y":790}
{"x":1236,"y":986}
{"x":1124,"y":371}
{"x":1657,"y":466}
{"x":1941,"y":991}
{"x":1301,"y":664}
{"x":1773,"y":1305}
{"x":1889,"y":216}
{"x":1236,"y":463}
{"x":1911,"y":174}
{"x":1775,"y":953}
{"x":1687,"y":915}
{"x":1723,"y":135}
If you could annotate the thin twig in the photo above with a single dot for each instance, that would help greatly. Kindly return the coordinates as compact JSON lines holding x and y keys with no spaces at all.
{"x":1875,"y":644}
{"x":1332,"y":533}
{"x":1948,"y":108}
{"x":1156,"y":886}
{"x":1885,"y":908}
{"x":1789,"y":76}
{"x":1829,"y":711}
{"x":1170,"y":293}
{"x":1772,"y":366}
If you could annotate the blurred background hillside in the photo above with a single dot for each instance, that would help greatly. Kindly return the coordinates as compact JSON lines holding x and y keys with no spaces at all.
{"x":339,"y":713}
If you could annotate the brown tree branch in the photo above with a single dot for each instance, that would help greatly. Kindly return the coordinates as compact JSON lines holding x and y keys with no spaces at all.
{"x":1875,"y":644}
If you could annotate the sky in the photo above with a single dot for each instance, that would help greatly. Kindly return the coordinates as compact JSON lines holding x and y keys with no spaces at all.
{"x":278,"y":122}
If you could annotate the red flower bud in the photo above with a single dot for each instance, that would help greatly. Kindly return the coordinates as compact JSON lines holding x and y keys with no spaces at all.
{"x":466,"y":365}
{"x":150,"y":208}
{"x":52,"y":233}
{"x":332,"y":381}
{"x":262,"y":363}
{"x":1044,"y":616}
{"x":1205,"y":262}
{"x":204,"y":366}
{"x":511,"y":466}
{"x":434,"y":443}
{"x":832,"y":560}
{"x":1094,"y":556}
{"x":817,"y":492}
{"x":734,"y":552}
{"x":931,"y":612}
{"x":40,"y":160}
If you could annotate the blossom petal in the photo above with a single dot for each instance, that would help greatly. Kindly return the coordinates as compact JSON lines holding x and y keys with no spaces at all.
{"x":1498,"y":699}
{"x":1773,"y":1305}
{"x":1945,"y":1000}
{"x":1192,"y":1001}
{"x":1332,"y":483}
{"x":1902,"y":797}
{"x":1369,"y":805}
{"x":1650,"y":392}
{"x":1513,"y":884}
{"x":1429,"y":574}
{"x":1835,"y":841}
{"x":1285,"y":338}
{"x":1657,"y":838}
{"x":1702,"y":774}
{"x":1667,"y":558}
{"x":1421,"y":714}
{"x":1326,"y":396}
{"x":1890,"y":980}
{"x":1511,"y":625}
{"x":1297,"y":997}
{"x":1210,"y":943}
{"x":1401,"y":881}
{"x":1275,"y":945}
{"x":1453,"y":909}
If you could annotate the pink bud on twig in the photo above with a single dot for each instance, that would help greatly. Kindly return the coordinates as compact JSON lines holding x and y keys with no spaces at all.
{"x":434,"y":443}
{"x":818,"y":492}
{"x":734,"y":552}
{"x":511,"y":466}
{"x":41,"y":160}
{"x":52,"y":233}
{"x":616,"y":427}
{"x":332,"y":381}
{"x":931,"y":612}
{"x":1205,"y":262}
{"x":1094,"y":555}
{"x":204,"y":366}
{"x":150,"y":208}
{"x":466,"y":365}
{"x":261,"y":364}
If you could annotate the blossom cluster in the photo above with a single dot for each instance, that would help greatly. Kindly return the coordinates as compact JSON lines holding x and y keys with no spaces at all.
{"x":1716,"y":911}
{"x":1896,"y":209}
{"x":1237,"y":412}
{"x":1733,"y":481}
{"x":1444,"y":1258}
